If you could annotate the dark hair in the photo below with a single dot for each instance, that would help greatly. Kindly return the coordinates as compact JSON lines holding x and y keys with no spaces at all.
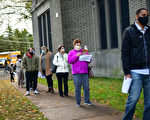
{"x":59,"y":47}
{"x":139,"y":10}
{"x":18,"y":56}
{"x":76,"y":41}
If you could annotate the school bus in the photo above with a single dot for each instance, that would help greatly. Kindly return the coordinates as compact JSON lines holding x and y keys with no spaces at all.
{"x":9,"y":56}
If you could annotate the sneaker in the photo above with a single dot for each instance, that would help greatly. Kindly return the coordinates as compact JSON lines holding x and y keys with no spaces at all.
{"x":78,"y":105}
{"x":27,"y":93}
{"x":36,"y":92}
{"x":88,"y":103}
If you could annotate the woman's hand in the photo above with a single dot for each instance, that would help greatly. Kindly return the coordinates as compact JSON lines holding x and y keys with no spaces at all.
{"x":78,"y":54}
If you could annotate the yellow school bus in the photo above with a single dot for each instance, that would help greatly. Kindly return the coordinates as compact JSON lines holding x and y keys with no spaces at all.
{"x":9,"y":56}
{"x":14,"y":56}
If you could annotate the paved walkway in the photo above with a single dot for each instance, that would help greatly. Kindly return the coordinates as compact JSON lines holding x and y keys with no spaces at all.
{"x":58,"y":108}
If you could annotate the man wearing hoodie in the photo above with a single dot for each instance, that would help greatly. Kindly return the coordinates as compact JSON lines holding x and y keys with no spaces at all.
{"x":31,"y":64}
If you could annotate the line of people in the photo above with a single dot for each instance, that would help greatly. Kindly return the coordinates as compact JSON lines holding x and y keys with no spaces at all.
{"x":44,"y":64}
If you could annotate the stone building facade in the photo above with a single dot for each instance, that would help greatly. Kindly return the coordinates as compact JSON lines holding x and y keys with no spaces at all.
{"x":98,"y":23}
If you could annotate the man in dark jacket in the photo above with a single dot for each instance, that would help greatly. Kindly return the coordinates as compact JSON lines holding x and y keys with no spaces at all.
{"x":136,"y":63}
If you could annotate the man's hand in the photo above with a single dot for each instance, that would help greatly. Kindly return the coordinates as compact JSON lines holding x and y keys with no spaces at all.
{"x":78,"y":54}
{"x":127,"y":76}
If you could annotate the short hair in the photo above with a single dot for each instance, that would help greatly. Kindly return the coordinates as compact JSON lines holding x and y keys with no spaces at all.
{"x":59,"y":47}
{"x":18,"y":56}
{"x":76,"y":41}
{"x":139,"y":10}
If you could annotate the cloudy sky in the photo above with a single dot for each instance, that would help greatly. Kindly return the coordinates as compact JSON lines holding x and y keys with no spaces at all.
{"x":13,"y":19}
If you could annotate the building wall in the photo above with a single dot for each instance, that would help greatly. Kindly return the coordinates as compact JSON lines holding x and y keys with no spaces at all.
{"x":56,"y":24}
{"x":78,"y":22}
{"x":133,"y":6}
{"x":71,"y":19}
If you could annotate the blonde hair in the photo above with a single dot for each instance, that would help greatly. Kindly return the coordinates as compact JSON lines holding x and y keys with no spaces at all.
{"x":45,"y":50}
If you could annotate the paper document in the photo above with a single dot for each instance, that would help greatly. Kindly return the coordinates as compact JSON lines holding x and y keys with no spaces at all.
{"x":40,"y":75}
{"x":126,"y":85}
{"x":85,"y":58}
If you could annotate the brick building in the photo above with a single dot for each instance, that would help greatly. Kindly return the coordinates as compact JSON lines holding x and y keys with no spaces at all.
{"x":98,"y":23}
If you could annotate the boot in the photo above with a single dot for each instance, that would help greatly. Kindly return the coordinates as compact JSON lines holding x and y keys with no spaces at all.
{"x":52,"y":90}
{"x":49,"y":90}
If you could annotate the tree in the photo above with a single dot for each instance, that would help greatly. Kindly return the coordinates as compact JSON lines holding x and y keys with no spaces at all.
{"x":16,"y":40}
{"x":15,"y":7}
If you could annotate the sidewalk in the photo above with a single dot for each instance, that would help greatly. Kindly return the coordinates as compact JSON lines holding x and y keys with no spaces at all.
{"x":58,"y":108}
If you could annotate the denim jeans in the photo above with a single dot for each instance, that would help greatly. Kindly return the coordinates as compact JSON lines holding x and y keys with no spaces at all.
{"x":138,"y":81}
{"x":79,"y":80}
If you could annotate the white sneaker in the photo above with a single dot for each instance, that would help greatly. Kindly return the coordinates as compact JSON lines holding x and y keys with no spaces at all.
{"x":36,"y":92}
{"x":89,"y":103}
{"x":27,"y":93}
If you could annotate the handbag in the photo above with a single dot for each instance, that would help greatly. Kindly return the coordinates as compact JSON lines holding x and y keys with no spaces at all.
{"x":90,"y":72}
{"x":54,"y":67}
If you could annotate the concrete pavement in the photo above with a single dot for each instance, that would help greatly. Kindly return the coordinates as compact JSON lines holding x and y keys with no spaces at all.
{"x":64,"y":108}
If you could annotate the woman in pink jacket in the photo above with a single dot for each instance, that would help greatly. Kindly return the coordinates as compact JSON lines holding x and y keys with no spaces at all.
{"x":80,"y":73}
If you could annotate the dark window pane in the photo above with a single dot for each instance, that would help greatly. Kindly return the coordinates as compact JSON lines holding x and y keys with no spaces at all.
{"x":44,"y":28}
{"x":49,"y":31}
{"x":40,"y":31}
{"x":113,"y":24}
{"x":102,"y":25}
{"x":124,"y":14}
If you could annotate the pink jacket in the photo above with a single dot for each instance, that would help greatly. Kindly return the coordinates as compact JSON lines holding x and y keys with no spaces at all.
{"x":77,"y":66}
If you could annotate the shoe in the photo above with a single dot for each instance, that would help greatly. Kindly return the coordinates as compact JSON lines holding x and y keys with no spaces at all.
{"x":49,"y":90}
{"x":78,"y":105}
{"x":52,"y":90}
{"x":67,"y":95}
{"x":61,"y":96}
{"x":88,"y":103}
{"x":36,"y":92}
{"x":27,"y":93}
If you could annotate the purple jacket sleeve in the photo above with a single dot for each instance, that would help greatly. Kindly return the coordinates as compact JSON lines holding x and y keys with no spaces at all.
{"x":72,"y":57}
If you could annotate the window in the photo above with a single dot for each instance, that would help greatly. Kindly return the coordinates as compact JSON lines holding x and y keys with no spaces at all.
{"x":40,"y":32}
{"x":103,"y":25}
{"x":124,"y":14}
{"x":49,"y":31}
{"x":45,"y":30}
{"x":113,"y":24}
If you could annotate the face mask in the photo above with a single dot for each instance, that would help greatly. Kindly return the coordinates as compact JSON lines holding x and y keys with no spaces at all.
{"x":77,"y":48}
{"x":31,"y":53}
{"x":19,"y":59}
{"x":143,"y":20}
{"x":42,"y":51}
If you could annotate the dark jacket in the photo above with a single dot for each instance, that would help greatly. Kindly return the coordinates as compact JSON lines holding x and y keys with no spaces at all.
{"x":135,"y":49}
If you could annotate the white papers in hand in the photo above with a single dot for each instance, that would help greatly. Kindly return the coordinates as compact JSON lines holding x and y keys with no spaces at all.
{"x":85,"y":58}
{"x":126,"y":85}
{"x":40,"y":75}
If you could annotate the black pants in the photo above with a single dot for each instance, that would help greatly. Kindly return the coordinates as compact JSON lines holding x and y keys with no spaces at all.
{"x":64,"y":77}
{"x":49,"y":80}
{"x":11,"y":77}
{"x":31,"y":76}
{"x":32,"y":82}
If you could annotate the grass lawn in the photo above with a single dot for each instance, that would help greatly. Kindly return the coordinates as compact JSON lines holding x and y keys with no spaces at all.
{"x":15,"y":106}
{"x":106,"y":91}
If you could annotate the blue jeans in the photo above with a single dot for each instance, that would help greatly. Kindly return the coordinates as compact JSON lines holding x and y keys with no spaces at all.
{"x":79,"y":80}
{"x":138,"y":81}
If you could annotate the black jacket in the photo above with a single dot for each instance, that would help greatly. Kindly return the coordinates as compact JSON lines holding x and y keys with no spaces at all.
{"x":135,"y":52}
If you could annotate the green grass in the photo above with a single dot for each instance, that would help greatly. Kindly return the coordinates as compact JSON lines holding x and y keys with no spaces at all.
{"x":15,"y":106}
{"x":106,"y":91}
